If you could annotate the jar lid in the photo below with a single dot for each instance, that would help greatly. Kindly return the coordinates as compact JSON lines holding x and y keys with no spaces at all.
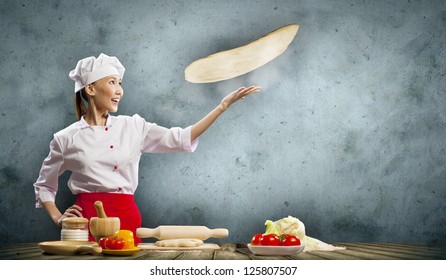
{"x":75,"y":222}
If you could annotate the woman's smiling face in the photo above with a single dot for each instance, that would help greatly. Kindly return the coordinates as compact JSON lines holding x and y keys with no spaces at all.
{"x":106,"y":93}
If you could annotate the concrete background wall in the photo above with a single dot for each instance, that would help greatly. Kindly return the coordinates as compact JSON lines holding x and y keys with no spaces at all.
{"x":347,"y":135}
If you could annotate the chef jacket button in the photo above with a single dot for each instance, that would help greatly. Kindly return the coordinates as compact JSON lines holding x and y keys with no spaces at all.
{"x":119,"y":189}
{"x":111,"y":146}
{"x":106,"y":129}
{"x":115,"y":167}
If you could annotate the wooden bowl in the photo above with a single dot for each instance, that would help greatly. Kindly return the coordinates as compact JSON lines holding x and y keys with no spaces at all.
{"x":104,"y":227}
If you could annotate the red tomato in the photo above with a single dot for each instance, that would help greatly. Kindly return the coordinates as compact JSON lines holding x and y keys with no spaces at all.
{"x":256,"y":239}
{"x":102,"y":242}
{"x":290,"y":240}
{"x":114,"y":243}
{"x":270,"y":240}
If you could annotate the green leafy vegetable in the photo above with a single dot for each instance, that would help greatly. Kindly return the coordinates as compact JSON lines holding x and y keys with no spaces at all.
{"x":271,"y":228}
{"x":288,"y":225}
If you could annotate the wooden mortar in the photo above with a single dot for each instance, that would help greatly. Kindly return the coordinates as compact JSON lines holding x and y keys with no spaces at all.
{"x":103,"y":226}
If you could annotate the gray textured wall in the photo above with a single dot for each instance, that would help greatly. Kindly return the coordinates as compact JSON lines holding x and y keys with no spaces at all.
{"x":347,"y":135}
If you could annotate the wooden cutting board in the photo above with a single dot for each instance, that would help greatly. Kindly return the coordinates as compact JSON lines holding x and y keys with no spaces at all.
{"x":205,"y":246}
{"x":69,"y":247}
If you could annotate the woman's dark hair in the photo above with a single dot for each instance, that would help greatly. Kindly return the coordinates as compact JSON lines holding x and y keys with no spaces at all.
{"x":80,"y":98}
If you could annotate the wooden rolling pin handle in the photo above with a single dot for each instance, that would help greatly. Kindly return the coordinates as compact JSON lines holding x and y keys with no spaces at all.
{"x":146,"y":232}
{"x":219,"y":233}
{"x":100,"y":209}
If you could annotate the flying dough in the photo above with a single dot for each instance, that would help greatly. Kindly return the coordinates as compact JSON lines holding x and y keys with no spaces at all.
{"x":235,"y":62}
{"x":181,"y":242}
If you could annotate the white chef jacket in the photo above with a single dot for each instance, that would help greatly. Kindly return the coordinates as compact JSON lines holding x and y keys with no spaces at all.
{"x":105,"y":158}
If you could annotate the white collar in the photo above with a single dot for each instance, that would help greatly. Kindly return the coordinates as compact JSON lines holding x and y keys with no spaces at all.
{"x":83,"y":123}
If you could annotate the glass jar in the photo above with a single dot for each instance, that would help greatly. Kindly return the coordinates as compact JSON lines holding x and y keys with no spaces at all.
{"x":74,"y":229}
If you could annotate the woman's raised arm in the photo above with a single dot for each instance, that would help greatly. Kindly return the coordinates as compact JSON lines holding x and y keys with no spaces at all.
{"x":202,"y":125}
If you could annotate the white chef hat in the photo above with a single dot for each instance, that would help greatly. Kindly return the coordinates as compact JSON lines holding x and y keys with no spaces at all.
{"x":91,"y":69}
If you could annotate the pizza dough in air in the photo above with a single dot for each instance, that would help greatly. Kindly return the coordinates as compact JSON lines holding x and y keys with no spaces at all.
{"x":235,"y":62}
{"x":181,"y":242}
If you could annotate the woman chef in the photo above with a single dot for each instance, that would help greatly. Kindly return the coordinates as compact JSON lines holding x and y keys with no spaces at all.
{"x":103,"y":151}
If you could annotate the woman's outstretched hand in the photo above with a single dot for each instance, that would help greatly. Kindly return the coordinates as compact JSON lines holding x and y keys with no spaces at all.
{"x":203,"y":124}
{"x":238,"y":94}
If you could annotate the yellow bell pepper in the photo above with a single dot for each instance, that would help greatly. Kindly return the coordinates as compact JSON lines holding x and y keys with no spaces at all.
{"x":127,"y":235}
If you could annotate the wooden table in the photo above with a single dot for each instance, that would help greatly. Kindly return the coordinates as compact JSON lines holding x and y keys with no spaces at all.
{"x":239,"y":251}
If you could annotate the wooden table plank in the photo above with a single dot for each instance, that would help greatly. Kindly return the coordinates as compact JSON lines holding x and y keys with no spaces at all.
{"x":71,"y":257}
{"x":14,"y":248}
{"x":333,"y":255}
{"x":17,"y":253}
{"x":416,"y":251}
{"x":384,"y":252}
{"x":196,"y":255}
{"x":239,"y":251}
{"x":229,"y":252}
{"x":363,"y":255}
{"x":420,"y":249}
{"x":158,"y":255}
{"x":403,"y":245}
{"x":306,"y":256}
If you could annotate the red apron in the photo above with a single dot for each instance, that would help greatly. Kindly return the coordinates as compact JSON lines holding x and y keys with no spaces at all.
{"x":115,"y":205}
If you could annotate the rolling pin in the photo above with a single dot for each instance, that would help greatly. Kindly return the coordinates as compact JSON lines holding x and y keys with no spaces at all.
{"x":176,"y":232}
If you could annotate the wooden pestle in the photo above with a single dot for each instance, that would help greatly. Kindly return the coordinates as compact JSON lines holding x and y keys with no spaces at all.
{"x":100,"y":209}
